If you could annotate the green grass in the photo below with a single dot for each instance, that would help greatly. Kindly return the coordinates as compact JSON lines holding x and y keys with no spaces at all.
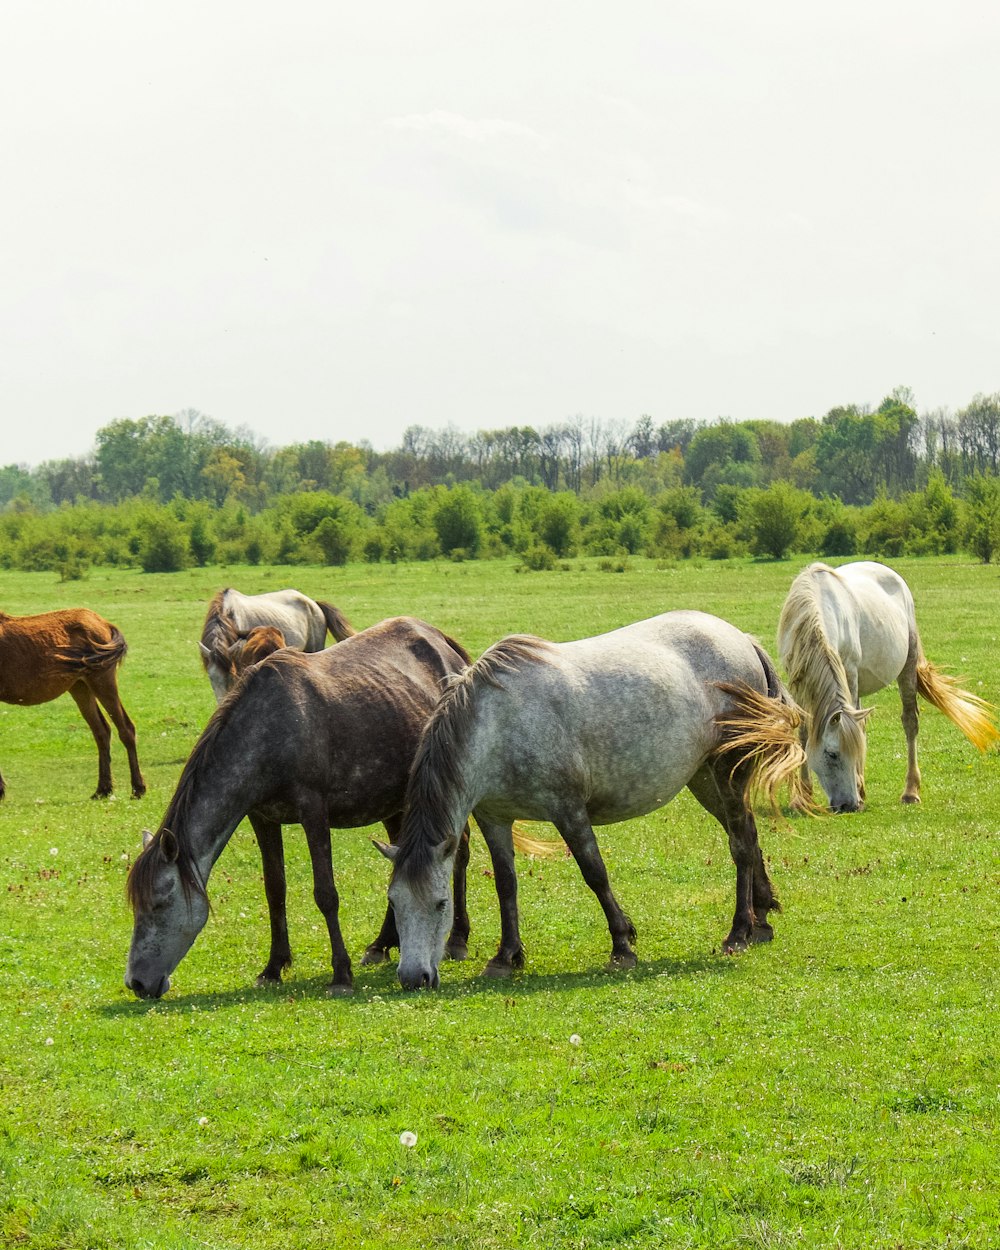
{"x":838,"y":1088}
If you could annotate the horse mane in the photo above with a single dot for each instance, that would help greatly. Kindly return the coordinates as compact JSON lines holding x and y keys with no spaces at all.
{"x":139,"y":886}
{"x":436,"y":772}
{"x":218,"y":628}
{"x":817,"y":678}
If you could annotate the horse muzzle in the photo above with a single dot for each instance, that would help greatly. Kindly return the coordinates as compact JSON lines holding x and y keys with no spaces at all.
{"x":419,"y":978}
{"x":851,"y":805}
{"x":142,"y":989}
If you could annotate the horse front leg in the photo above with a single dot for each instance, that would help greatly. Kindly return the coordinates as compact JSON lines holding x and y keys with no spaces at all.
{"x":325,"y":894}
{"x":272,"y":855}
{"x":510,"y":954}
{"x":457,"y":946}
{"x":578,"y":833}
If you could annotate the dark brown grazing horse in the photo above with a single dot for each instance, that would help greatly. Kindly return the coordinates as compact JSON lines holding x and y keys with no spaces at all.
{"x":43,"y":656}
{"x":321,"y":739}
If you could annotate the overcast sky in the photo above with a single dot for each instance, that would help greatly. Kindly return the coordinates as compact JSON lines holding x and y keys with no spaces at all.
{"x":332,"y":221}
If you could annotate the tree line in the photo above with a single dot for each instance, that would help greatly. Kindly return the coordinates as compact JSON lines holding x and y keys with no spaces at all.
{"x":166,"y":492}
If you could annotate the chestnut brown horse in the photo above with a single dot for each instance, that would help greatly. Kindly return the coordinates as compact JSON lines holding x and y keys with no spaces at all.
{"x":43,"y":656}
{"x":258,"y":644}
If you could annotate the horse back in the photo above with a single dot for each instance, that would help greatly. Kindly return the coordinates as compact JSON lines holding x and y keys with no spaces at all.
{"x":42,"y":655}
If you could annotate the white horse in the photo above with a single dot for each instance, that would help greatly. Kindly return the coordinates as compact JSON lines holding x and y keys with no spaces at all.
{"x":849,"y":632}
{"x":231,"y":616}
{"x":589,"y":733}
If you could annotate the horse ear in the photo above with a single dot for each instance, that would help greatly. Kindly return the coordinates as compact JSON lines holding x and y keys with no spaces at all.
{"x":388,"y":851}
{"x":206,"y":654}
{"x":448,"y":847}
{"x":169,"y":847}
{"x":147,"y":837}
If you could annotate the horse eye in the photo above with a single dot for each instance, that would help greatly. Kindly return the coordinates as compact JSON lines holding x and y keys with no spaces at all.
{"x":441,"y":904}
{"x":832,"y":756}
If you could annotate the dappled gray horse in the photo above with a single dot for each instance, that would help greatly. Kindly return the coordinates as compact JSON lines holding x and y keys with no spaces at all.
{"x":323,"y":740}
{"x":848,"y":632}
{"x":303,"y":623}
{"x":589,"y":733}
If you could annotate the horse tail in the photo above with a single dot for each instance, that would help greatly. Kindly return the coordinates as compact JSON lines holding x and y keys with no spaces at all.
{"x":760,"y":737}
{"x":336,"y":622}
{"x":93,"y":656}
{"x":972,"y":715}
{"x":540,"y":848}
{"x":775,"y":686}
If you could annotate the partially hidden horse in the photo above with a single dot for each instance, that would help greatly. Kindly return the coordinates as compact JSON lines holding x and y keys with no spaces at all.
{"x":75,"y":650}
{"x":303,"y":623}
{"x":259,"y":643}
{"x":848,"y":632}
{"x":324,"y":740}
{"x":588,"y":733}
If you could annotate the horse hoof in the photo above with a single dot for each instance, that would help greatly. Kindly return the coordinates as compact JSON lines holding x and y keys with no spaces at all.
{"x":498,"y":969}
{"x":734,"y":945}
{"x":457,"y":951}
{"x":266,"y":978}
{"x":374,"y":955}
{"x":622,"y":962}
{"x":337,"y":989}
{"x":761,"y":933}
{"x":910,"y":798}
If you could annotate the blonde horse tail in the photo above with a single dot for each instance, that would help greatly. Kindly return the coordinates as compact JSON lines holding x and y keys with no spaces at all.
{"x":539,"y":848}
{"x":336,"y":622}
{"x":973,"y":715}
{"x":761,"y":736}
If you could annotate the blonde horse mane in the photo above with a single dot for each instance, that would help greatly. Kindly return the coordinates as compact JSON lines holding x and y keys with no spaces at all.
{"x":817,"y":678}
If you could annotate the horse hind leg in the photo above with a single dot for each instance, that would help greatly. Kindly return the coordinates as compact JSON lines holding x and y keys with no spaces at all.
{"x":722,"y":796}
{"x":907,"y":683}
{"x":98,"y":726}
{"x":106,"y":690}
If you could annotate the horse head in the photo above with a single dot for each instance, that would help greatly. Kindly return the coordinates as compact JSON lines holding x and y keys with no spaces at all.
{"x":220,"y":668}
{"x":170,"y":908}
{"x":421,"y":900}
{"x":836,"y":753}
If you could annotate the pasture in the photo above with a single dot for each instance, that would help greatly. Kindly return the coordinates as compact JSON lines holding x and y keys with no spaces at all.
{"x":838,"y":1088}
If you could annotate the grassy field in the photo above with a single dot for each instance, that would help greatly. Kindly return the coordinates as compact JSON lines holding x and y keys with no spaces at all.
{"x":838,"y":1088}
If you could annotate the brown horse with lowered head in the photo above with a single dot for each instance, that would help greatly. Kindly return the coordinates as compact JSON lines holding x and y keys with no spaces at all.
{"x":75,"y":650}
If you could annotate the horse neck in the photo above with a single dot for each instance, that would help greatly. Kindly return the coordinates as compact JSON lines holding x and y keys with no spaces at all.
{"x":213,"y":795}
{"x":817,"y":678}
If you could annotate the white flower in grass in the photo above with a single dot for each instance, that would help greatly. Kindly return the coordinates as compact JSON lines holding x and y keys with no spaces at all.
{"x":575,"y":1039}
{"x":202,"y":1121}
{"x":407,"y":1138}
{"x":53,"y":850}
{"x":49,"y":1041}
